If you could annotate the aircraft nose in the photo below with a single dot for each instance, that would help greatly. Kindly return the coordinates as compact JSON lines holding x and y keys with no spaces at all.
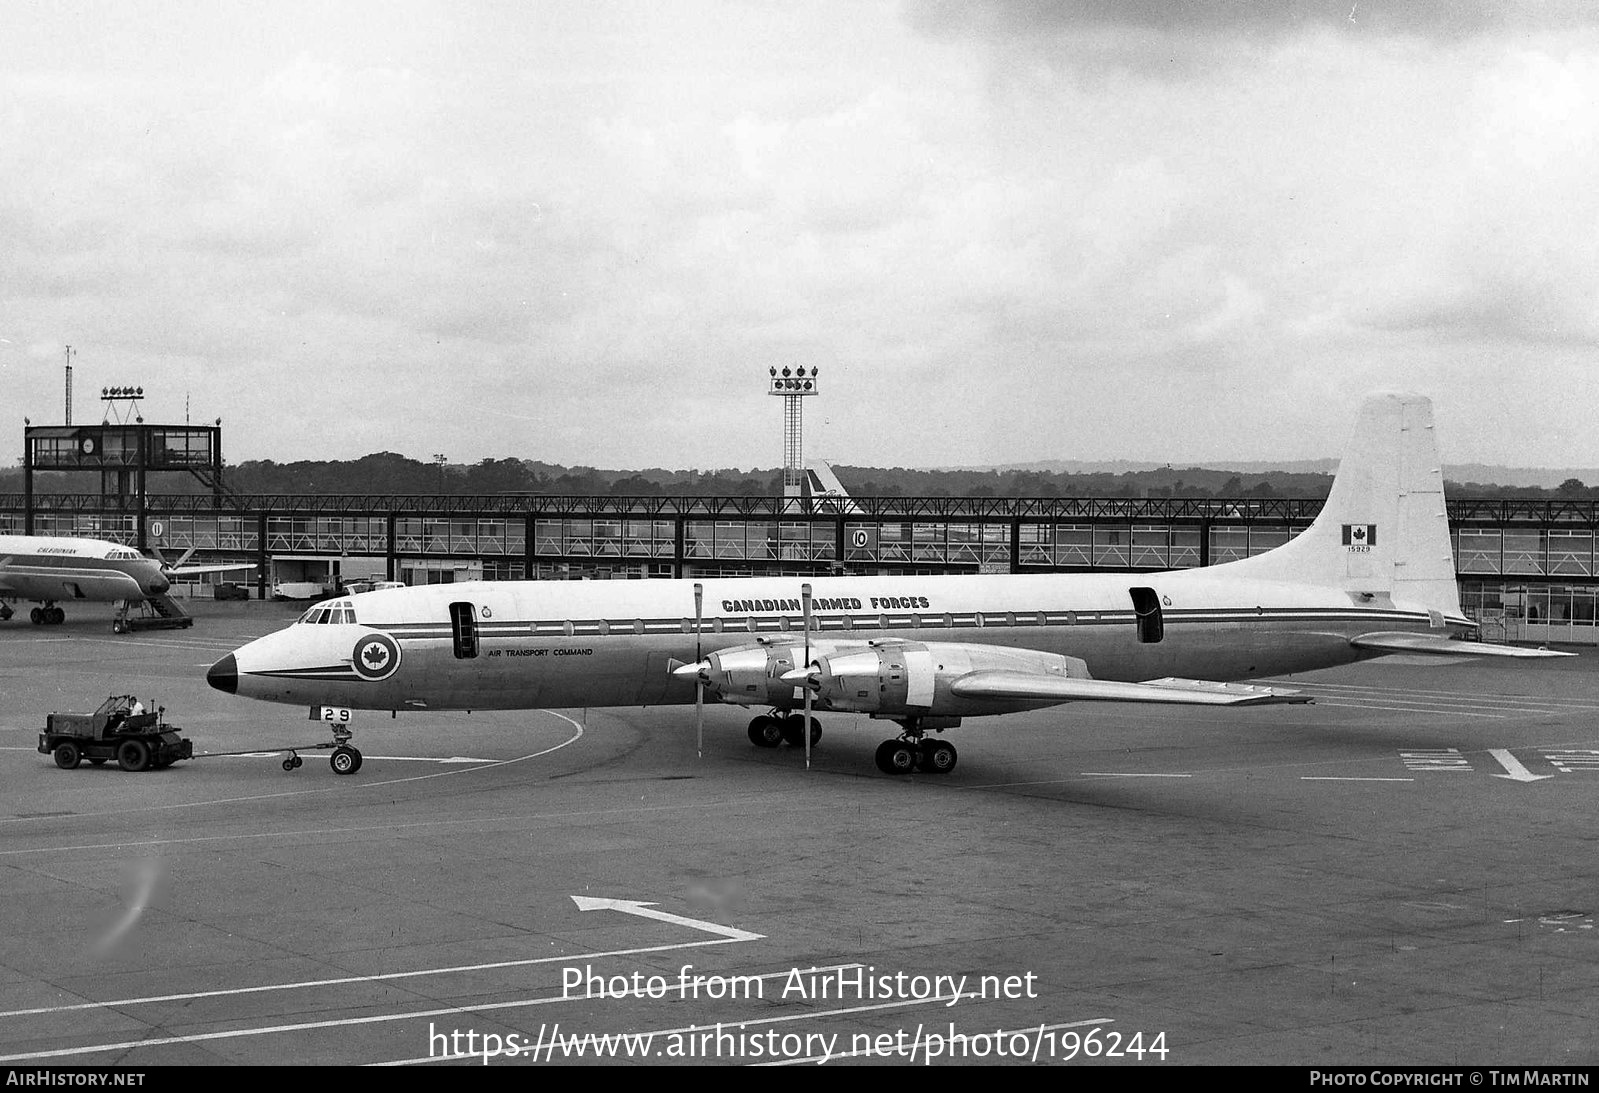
{"x":224,"y":675}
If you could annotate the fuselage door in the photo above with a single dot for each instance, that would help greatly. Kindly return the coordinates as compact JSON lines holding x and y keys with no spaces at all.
{"x":463,"y":628}
{"x":1146,"y":606}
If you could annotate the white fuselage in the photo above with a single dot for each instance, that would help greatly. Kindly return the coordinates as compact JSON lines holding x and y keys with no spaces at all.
{"x":568,"y":644}
{"x":53,"y":569}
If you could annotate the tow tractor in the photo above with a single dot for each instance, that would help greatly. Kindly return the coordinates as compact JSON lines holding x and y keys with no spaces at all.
{"x":120,"y":729}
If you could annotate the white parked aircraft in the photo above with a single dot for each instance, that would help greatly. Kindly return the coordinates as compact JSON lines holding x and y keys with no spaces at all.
{"x":52,"y":569}
{"x":1374,"y":574}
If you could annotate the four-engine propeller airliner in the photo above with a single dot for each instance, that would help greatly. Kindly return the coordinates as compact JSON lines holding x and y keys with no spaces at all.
{"x":53,"y":569}
{"x":1374,"y":574}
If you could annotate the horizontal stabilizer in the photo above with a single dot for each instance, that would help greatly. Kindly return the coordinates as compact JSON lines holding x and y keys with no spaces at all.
{"x":1401,"y":642}
{"x":1196,"y":692}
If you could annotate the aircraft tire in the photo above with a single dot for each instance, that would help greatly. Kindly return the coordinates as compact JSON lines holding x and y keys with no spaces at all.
{"x":938,"y":756}
{"x":133,"y":756}
{"x":794,"y":728}
{"x":36,"y":616}
{"x":345,"y":760}
{"x":896,"y":757}
{"x":766,"y":732}
{"x":56,"y":616}
{"x":68,"y":757}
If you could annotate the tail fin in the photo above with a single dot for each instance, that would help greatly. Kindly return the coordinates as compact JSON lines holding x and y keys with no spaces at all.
{"x":1384,"y":529}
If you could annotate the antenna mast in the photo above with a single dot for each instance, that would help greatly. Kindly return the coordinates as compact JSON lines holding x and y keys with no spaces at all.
{"x":69,"y":385}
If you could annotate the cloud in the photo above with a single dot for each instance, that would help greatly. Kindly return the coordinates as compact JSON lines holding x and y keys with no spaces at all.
{"x":1508,"y":250}
{"x":1437,"y":20}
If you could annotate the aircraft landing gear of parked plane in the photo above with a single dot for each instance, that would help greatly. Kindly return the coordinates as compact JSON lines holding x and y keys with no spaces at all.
{"x":770,"y":730}
{"x":910,"y":752}
{"x":48,"y":615}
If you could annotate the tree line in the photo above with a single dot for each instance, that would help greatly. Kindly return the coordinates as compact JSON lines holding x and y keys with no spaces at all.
{"x":391,"y":473}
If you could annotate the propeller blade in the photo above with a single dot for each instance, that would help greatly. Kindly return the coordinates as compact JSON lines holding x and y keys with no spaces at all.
{"x":805,"y":729}
{"x":699,"y":685}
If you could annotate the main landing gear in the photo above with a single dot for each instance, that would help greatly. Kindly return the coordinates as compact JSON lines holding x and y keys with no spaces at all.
{"x":911,"y":752}
{"x":770,"y":730}
{"x":48,"y":615}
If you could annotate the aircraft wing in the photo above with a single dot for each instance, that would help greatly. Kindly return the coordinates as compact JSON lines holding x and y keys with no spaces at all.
{"x":1198,"y":692}
{"x":196,"y":570}
{"x":1401,"y":642}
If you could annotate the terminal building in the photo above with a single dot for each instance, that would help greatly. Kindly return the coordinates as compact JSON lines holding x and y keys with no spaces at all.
{"x":1527,"y":568}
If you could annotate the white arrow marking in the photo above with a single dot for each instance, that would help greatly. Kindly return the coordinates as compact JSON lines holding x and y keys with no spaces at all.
{"x":646,"y":910}
{"x":1514,"y":770}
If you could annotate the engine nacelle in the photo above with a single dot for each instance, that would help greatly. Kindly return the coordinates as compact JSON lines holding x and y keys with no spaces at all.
{"x":912,"y":679}
{"x":751,"y":675}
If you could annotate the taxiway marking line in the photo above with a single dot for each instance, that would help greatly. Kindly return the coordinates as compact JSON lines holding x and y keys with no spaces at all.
{"x":355,"y":788}
{"x":921,"y":1047}
{"x":136,"y":644}
{"x":1122,"y":774}
{"x":1437,"y":710}
{"x":1334,"y":778}
{"x":1514,"y":769}
{"x":649,"y":910}
{"x":312,"y":749}
{"x":702,"y":1027}
{"x":344,"y":981}
{"x":389,"y":1018}
{"x":1401,"y":692}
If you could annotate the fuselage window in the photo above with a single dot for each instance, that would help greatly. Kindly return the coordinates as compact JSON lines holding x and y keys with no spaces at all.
{"x":463,"y":627}
{"x":1146,"y":606}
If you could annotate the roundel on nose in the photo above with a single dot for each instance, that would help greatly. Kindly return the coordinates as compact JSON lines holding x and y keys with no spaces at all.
{"x":375,"y":656}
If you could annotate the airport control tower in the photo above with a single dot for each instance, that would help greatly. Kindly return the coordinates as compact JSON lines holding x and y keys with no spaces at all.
{"x":124,"y":451}
{"x":792,"y":385}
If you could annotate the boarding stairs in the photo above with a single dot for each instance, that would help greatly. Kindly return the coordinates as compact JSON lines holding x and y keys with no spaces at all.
{"x":159,"y":612}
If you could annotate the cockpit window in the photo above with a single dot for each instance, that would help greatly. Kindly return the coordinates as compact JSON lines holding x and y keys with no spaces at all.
{"x":123,"y":554}
{"x":335,"y":612}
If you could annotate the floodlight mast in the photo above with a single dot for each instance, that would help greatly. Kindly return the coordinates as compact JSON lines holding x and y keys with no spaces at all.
{"x":792,"y":385}
{"x":122,"y":403}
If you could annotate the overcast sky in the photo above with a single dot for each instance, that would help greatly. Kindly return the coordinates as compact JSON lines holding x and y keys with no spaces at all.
{"x":1004,"y":231}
